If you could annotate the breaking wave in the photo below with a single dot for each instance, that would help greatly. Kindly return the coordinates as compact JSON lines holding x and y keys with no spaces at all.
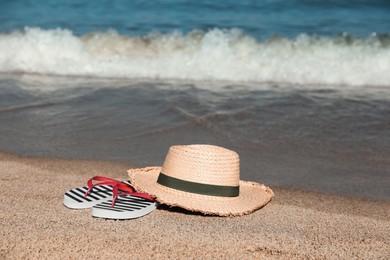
{"x":217,"y":54}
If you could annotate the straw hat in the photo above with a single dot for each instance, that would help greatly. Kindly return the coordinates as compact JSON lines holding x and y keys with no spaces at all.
{"x":201,"y":178}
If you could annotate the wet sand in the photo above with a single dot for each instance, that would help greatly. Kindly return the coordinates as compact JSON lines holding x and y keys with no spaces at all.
{"x":296,"y":224}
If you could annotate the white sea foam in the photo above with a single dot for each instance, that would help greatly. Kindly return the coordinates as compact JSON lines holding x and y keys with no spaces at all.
{"x":215,"y":55}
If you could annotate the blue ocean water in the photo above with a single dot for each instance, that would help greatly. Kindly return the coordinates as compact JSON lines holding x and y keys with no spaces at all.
{"x":300,"y":89}
{"x":261,"y":19}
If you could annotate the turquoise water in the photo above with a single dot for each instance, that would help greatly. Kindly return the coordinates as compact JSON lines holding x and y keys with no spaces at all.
{"x":260,"y":19}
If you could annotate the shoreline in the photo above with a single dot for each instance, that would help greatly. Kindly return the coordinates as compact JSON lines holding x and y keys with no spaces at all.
{"x":295,"y":224}
{"x":51,"y":163}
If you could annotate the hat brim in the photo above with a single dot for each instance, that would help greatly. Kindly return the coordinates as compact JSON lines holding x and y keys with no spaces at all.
{"x":252,"y":195}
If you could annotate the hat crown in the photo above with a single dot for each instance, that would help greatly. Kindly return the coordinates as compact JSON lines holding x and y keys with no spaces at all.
{"x":207,"y":164}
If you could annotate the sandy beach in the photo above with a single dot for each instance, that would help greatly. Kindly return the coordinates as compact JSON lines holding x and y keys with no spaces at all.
{"x":295,"y":225}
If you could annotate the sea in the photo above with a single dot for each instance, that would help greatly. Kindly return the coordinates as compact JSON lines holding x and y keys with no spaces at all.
{"x":299,"y":88}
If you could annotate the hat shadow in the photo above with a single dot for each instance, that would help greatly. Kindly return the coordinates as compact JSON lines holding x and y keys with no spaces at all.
{"x":183,"y":211}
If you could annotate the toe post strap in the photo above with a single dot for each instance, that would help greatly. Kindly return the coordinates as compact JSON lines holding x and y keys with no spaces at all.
{"x":118,"y":188}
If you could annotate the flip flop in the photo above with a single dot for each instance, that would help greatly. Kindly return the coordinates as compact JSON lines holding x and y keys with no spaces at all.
{"x":126,"y":207}
{"x":88,"y":196}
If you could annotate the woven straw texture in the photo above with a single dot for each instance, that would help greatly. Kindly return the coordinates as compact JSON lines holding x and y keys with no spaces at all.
{"x":204,"y":164}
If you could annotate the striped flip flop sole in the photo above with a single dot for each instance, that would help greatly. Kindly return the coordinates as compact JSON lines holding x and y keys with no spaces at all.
{"x":76,"y":199}
{"x":126,"y":207}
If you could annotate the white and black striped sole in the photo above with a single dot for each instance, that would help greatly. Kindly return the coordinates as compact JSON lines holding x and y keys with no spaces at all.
{"x":76,"y":199}
{"x":126,"y":207}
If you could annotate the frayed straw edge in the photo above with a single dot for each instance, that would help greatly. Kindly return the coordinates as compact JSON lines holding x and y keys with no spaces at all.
{"x":132,"y":172}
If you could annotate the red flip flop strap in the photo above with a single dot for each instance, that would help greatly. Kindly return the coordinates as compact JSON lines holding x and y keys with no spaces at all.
{"x":138,"y":194}
{"x":116,"y":187}
{"x":115,"y":195}
{"x":99,"y":184}
{"x":125,"y":187}
{"x":102,"y":179}
{"x":109,"y":181}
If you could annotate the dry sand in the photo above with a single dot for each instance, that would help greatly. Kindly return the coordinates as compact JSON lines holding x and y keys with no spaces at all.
{"x":295,"y":225}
